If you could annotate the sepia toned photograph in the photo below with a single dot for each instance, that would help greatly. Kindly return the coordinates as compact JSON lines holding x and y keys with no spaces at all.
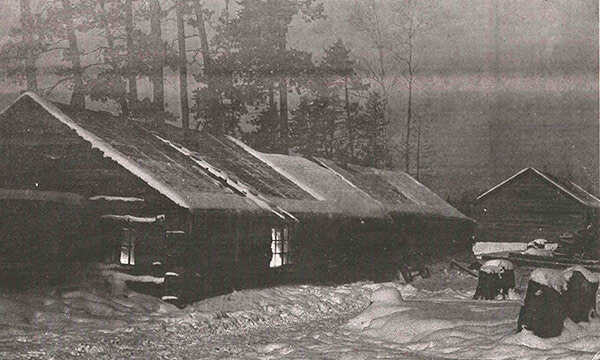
{"x":299,"y":179}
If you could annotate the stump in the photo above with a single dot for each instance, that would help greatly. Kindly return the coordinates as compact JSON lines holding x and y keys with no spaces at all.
{"x":544,"y":308}
{"x":580,"y":296}
{"x":496,"y":277}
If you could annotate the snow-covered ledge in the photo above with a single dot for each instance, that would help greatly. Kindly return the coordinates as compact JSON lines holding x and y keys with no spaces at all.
{"x":135,"y":219}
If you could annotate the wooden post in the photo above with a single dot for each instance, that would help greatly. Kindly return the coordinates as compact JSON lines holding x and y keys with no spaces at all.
{"x":580,"y":296}
{"x":544,"y":309}
{"x":496,"y":277}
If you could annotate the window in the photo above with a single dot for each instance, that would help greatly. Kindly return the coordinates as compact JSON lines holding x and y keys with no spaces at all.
{"x":128,"y":247}
{"x":280,"y":247}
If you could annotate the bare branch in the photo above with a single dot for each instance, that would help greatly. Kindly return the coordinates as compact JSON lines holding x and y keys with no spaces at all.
{"x":49,"y":90}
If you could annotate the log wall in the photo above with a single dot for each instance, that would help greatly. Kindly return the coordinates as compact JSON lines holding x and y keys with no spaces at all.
{"x":526,"y":209}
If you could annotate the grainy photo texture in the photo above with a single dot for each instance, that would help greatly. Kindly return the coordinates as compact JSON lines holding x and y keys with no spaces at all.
{"x":302,"y":179}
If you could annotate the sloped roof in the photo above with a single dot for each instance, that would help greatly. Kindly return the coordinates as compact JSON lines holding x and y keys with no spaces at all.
{"x":232,"y":157}
{"x":399,"y":192}
{"x":567,"y":187}
{"x":337,"y":195}
{"x":222,"y":173}
{"x":164,"y":168}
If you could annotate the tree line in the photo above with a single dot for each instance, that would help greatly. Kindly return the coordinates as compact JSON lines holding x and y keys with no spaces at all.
{"x":243,"y":70}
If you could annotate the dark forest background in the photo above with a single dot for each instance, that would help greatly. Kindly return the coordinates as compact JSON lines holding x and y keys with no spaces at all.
{"x":459,"y":93}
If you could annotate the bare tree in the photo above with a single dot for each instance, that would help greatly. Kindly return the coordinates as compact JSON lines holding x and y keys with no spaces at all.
{"x":78,"y":96}
{"x":183,"y":73}
{"x":30,"y":59}
{"x":131,"y":74}
{"x":368,"y":19}
{"x":405,"y":55}
{"x":157,"y":76}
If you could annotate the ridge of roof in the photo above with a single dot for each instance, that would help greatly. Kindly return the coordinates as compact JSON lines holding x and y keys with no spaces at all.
{"x":549,"y":179}
{"x":264,"y":159}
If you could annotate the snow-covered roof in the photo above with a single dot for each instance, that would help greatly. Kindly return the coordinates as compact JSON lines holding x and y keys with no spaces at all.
{"x":161,"y":165}
{"x":335,"y":196}
{"x":397,"y":191}
{"x":568,"y":188}
{"x":222,"y":173}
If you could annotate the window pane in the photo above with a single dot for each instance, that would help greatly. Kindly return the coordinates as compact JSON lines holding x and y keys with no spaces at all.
{"x":124,"y":255}
{"x":132,"y":247}
{"x":286,"y":246}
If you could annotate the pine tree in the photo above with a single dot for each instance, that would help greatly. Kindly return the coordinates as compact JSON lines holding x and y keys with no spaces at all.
{"x":260,"y":32}
{"x":371,"y":123}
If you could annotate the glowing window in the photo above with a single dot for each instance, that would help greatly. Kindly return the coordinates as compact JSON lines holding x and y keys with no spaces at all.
{"x":280,"y":247}
{"x":128,"y":247}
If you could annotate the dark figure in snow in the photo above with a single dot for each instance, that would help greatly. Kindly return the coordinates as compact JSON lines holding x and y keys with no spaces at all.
{"x":496,"y":277}
{"x":580,"y":296}
{"x":544,"y":309}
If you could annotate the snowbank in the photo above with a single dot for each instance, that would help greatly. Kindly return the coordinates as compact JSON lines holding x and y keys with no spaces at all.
{"x":385,"y":300}
{"x":275,"y":306}
{"x":459,"y":329}
{"x":387,"y":295}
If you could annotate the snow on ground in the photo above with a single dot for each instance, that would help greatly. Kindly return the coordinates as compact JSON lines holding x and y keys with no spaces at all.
{"x":428,"y":319}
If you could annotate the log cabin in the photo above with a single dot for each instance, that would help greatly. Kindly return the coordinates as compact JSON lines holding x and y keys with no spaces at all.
{"x":533,"y":204}
{"x":186,"y":219}
{"x":154,"y":205}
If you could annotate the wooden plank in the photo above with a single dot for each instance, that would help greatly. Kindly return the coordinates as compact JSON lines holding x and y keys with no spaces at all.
{"x":549,"y":262}
{"x":455,"y":264}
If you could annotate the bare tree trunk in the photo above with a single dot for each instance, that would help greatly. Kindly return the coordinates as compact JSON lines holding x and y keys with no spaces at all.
{"x":206,"y":60}
{"x":183,"y":86}
{"x":283,"y":116}
{"x":273,"y":117}
{"x":283,"y":98}
{"x":131,"y":78}
{"x":408,"y":121}
{"x":349,"y":124}
{"x":27,"y":25}
{"x":418,"y":148}
{"x":77,"y":98}
{"x":410,"y":65}
{"x":157,"y":77}
{"x":495,"y":121}
{"x":112,"y":55}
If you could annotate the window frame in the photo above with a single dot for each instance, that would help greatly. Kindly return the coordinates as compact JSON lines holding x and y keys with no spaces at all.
{"x":280,"y":247}
{"x":127,"y":246}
